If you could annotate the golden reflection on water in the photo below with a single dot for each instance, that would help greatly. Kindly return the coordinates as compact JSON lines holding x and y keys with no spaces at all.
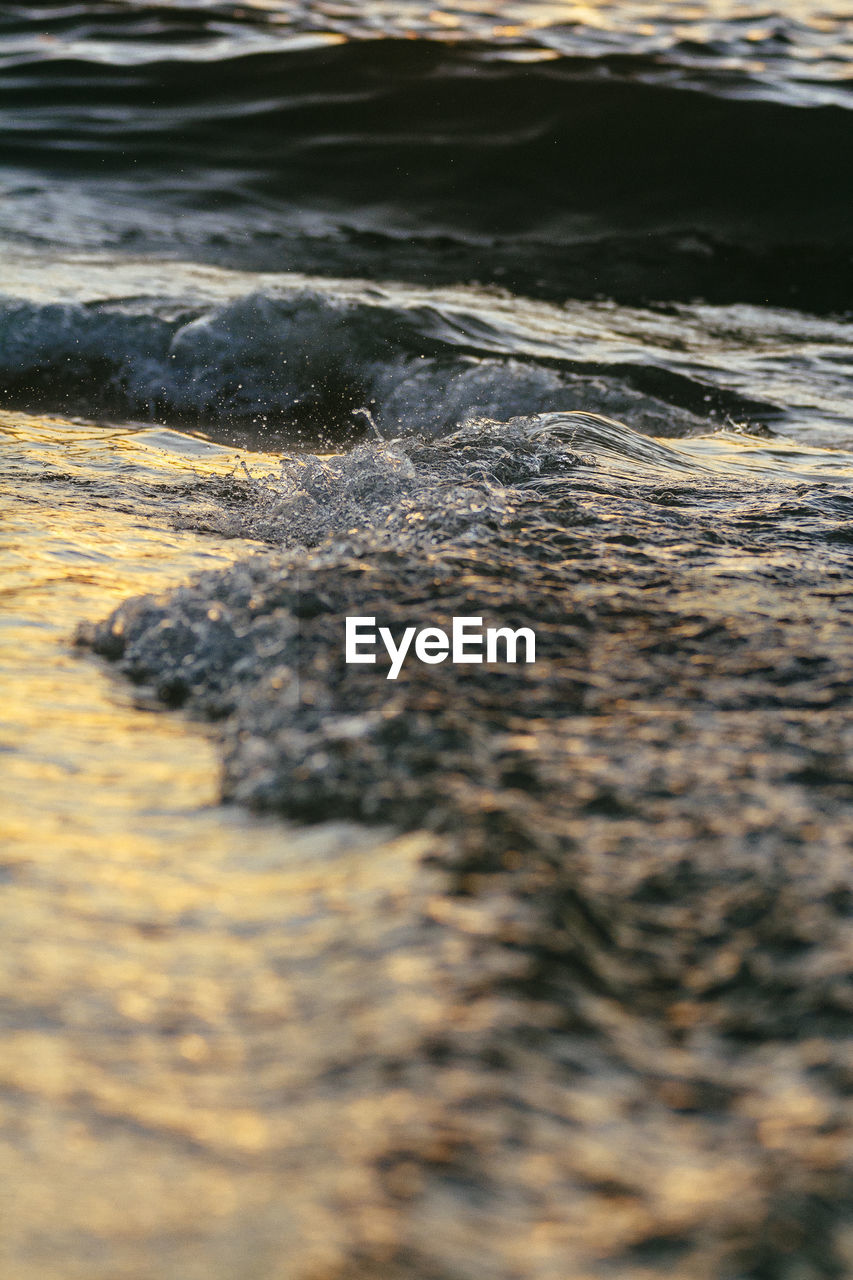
{"x":81,"y":765}
{"x":547,"y":21}
{"x":154,"y":1120}
{"x":212,"y":1027}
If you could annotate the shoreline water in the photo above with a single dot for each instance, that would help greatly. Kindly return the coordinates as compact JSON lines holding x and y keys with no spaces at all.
{"x":535,"y":974}
{"x":637,"y":849}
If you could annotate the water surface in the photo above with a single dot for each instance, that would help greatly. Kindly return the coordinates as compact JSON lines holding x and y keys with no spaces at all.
{"x":531,"y":311}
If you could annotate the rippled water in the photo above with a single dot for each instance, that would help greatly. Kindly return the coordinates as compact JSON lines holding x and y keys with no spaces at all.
{"x":799,"y":41}
{"x":556,"y":152}
{"x":144,"y":925}
{"x":273,"y":358}
{"x":533,"y":311}
{"x":84,"y":524}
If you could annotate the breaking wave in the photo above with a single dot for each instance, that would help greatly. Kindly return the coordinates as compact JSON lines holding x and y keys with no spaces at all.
{"x":295,"y":358}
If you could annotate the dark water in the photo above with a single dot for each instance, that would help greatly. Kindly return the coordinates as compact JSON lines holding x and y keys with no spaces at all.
{"x":539,"y":312}
{"x":691,"y":165}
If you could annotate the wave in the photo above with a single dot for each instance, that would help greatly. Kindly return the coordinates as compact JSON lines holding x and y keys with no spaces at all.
{"x":290,"y":357}
{"x":564,"y":171}
{"x":426,"y":126}
{"x":796,"y":56}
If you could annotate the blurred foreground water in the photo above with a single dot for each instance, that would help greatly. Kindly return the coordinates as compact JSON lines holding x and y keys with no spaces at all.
{"x":528,"y":973}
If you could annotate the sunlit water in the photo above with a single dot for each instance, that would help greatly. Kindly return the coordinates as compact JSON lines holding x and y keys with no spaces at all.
{"x":227,"y":1045}
{"x":292,"y":1051}
{"x":145,"y":927}
{"x":69,"y":548}
{"x":214,"y":1024}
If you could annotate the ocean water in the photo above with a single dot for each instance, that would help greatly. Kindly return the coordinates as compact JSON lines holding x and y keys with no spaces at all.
{"x":534,"y":311}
